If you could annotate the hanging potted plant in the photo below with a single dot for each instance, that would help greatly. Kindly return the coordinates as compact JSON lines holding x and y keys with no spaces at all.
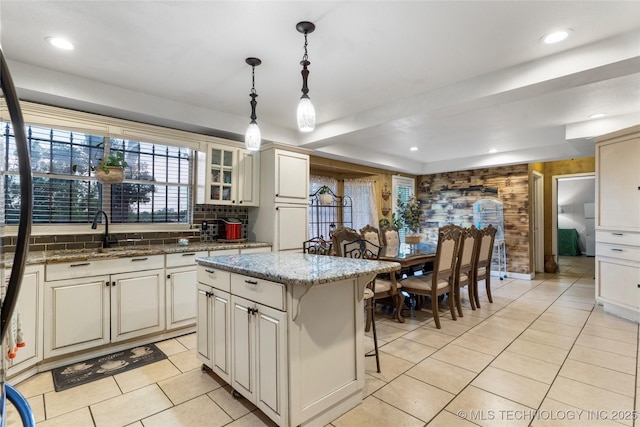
{"x":325,"y":196}
{"x":409,"y":214}
{"x":111,"y":169}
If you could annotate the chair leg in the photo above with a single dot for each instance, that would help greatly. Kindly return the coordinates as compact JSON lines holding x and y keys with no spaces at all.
{"x":488,"y":285}
{"x":457,"y":297}
{"x":375,"y":335}
{"x":370,"y":307}
{"x":451,"y":302}
{"x":475,"y":292}
{"x":434,"y":308}
{"x":472,"y":298}
{"x":399,"y":301}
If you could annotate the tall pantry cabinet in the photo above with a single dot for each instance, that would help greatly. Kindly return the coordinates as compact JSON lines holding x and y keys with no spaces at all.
{"x":284,"y":200}
{"x":618,"y":222}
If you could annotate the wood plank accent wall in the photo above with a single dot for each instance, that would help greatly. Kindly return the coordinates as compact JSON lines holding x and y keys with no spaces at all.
{"x":456,"y":207}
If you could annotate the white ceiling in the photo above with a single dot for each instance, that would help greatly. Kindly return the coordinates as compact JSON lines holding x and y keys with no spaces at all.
{"x":452,"y":78}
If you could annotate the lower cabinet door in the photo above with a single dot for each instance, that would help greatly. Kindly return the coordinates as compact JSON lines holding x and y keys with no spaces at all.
{"x":271,"y":362}
{"x":67,"y":301}
{"x":137,"y":304}
{"x":243,"y":330}
{"x":181,"y":299}
{"x":221,"y":328}
{"x":30,"y":309}
{"x":204,"y":334}
{"x":618,"y":281}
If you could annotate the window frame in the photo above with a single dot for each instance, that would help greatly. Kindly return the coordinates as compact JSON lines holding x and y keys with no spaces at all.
{"x":59,"y":118}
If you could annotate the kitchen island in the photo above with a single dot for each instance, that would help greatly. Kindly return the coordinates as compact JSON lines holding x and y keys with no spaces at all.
{"x":286,"y":330}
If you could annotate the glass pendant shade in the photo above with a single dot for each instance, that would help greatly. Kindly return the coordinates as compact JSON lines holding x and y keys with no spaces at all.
{"x":252,"y":137}
{"x":306,"y":115}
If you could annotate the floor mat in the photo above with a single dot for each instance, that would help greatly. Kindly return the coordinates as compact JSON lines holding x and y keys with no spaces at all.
{"x":97,"y":368}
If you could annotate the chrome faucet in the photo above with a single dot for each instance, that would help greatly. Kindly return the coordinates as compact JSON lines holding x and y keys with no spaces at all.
{"x":106,"y":240}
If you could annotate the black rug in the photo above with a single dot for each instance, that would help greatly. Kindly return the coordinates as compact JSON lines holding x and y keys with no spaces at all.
{"x":97,"y":368}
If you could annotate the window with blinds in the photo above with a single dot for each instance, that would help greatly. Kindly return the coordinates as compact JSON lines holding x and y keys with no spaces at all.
{"x":156,"y":187}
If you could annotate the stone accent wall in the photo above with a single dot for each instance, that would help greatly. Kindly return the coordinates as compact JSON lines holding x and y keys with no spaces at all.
{"x":456,"y":207}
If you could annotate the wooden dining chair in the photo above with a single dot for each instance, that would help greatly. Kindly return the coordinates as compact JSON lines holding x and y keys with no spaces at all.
{"x":465,"y":265}
{"x":390,"y":236}
{"x":371,"y":234}
{"x":483,"y":263}
{"x":341,"y":236}
{"x":317,"y":246}
{"x":441,"y":280}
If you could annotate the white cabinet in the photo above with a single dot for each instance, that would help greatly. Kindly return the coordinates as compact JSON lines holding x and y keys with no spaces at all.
{"x":618,"y":223}
{"x":181,"y":289}
{"x":112,"y":307}
{"x":259,"y":355}
{"x":232,"y":176}
{"x":30,"y":306}
{"x":284,"y":201}
{"x":213,"y":329}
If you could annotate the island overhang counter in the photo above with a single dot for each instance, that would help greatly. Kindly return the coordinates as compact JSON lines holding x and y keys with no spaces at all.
{"x":286,"y":330}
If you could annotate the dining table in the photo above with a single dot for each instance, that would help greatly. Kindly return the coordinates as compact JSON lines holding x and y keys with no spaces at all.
{"x":408,"y":256}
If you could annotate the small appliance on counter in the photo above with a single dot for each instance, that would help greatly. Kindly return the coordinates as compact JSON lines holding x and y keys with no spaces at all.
{"x":230,"y":230}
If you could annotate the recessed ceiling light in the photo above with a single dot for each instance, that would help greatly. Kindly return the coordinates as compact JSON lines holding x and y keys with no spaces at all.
{"x":597,"y":115}
{"x":556,"y":36}
{"x":413,"y":149}
{"x":60,"y":43}
{"x":493,"y":150}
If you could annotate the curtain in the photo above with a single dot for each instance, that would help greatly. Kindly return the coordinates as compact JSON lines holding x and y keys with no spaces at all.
{"x":363,"y":196}
{"x":316,"y":181}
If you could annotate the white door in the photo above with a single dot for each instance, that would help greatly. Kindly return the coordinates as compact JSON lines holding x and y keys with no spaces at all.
{"x":65,"y":302}
{"x":181,"y":297}
{"x":204,"y":324}
{"x":291,"y":227}
{"x":137,"y":304}
{"x":248,"y":178}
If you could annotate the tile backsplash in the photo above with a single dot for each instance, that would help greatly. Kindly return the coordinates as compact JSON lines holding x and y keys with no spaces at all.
{"x":209,"y":213}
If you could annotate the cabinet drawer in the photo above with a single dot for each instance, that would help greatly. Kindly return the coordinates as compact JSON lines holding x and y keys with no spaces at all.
{"x":618,"y":237}
{"x":72,"y":270}
{"x":184,"y":258}
{"x":213,"y":277}
{"x":630,"y":253}
{"x":255,"y":250}
{"x":258,"y":290}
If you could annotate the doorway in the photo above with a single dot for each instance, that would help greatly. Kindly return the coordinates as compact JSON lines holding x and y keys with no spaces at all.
{"x":538,"y":222}
{"x":573,"y":223}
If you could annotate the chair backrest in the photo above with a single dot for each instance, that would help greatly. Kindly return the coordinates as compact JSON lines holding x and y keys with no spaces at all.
{"x":341,"y":236}
{"x":361,"y":249}
{"x":468,"y":246}
{"x":390,"y":236}
{"x":371,"y":234}
{"x":317,"y":246}
{"x":446,"y":252}
{"x":485,"y":252}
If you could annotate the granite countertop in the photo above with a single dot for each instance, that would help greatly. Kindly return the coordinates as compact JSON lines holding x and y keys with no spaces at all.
{"x":74,"y":255}
{"x":297,"y":268}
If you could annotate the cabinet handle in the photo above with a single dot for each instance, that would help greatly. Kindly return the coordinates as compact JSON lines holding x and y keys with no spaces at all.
{"x":639,"y":285}
{"x":233,"y":201}
{"x":107,"y":284}
{"x":139,"y":259}
{"x":251,"y":282}
{"x":82,"y":264}
{"x":617,"y":234}
{"x":251,"y":310}
{"x":617,"y":250}
{"x":189,"y":254}
{"x":168,"y":276}
{"x":240,"y":202}
{"x":277,"y":195}
{"x":113,"y":283}
{"x":210,"y":271}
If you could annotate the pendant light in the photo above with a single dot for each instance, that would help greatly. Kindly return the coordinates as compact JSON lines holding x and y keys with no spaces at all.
{"x":306,"y":113}
{"x":252,"y":137}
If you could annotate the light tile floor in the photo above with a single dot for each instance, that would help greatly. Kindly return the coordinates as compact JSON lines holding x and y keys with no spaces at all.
{"x":542,"y":354}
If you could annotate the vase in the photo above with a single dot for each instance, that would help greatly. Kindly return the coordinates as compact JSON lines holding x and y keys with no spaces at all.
{"x":113,"y":174}
{"x":412,"y":239}
{"x":550,"y":264}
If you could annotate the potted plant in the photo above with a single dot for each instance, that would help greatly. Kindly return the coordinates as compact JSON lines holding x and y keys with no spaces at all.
{"x":409,"y":214}
{"x":111,"y":169}
{"x":325,"y":196}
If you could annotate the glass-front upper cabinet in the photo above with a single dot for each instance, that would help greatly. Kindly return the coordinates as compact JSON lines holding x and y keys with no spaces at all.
{"x":222,"y":177}
{"x":232,"y":175}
